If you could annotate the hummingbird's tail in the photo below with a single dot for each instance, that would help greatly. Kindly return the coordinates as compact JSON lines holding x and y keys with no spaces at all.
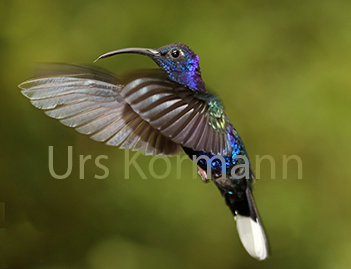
{"x":250,"y":229}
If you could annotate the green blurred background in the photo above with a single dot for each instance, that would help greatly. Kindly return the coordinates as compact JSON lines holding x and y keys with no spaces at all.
{"x":282,"y":70}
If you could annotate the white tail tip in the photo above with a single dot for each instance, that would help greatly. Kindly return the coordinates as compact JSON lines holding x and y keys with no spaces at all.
{"x":252,"y":237}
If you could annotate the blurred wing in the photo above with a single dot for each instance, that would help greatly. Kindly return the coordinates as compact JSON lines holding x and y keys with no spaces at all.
{"x":186,"y":118}
{"x":75,"y":70}
{"x":88,"y":99}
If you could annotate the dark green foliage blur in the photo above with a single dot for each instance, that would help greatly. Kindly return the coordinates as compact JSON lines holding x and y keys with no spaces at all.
{"x":282,"y":70}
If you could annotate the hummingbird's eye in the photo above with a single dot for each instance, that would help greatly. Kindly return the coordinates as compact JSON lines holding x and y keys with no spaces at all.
{"x":176,"y":53}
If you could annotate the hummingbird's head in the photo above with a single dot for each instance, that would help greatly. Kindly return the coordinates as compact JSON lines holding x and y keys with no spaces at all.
{"x":176,"y":60}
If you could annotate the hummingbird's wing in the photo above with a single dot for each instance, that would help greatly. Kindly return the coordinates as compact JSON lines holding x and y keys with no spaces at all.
{"x":88,"y":99}
{"x":195,"y":121}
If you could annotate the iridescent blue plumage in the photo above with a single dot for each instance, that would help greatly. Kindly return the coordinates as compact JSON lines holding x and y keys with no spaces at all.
{"x":158,"y":114}
{"x":230,"y":161}
{"x":184,"y":68}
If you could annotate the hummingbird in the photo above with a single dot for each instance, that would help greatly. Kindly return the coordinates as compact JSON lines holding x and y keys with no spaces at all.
{"x":158,"y":112}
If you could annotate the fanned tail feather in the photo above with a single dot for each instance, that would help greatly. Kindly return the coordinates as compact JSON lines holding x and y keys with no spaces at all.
{"x":249,"y":226}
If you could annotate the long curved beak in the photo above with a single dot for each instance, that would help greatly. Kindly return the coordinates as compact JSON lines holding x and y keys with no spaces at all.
{"x":147,"y":52}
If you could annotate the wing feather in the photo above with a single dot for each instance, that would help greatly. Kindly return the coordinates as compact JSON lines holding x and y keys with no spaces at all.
{"x":89,"y":100}
{"x":178,"y":113}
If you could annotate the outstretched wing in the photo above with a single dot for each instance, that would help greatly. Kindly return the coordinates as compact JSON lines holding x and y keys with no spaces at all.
{"x":88,"y":99}
{"x":195,"y":121}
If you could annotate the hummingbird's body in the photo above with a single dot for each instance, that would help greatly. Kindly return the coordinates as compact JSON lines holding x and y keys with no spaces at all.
{"x":157,"y":114}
